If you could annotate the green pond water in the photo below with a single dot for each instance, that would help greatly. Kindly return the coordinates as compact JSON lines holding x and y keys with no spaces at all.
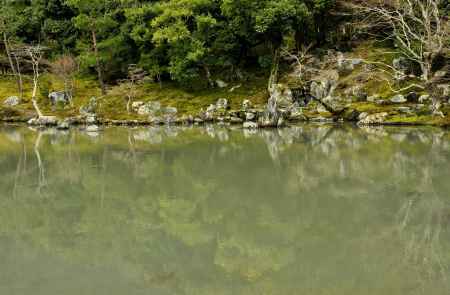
{"x":304,"y":210}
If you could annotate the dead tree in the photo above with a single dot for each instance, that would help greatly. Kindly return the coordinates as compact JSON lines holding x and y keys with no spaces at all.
{"x":66,"y":67}
{"x":135,"y":77}
{"x":33,"y":55}
{"x":416,"y":26}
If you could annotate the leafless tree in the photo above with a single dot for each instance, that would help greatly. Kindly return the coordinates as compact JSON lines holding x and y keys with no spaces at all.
{"x":416,"y":26}
{"x":33,"y":55}
{"x":135,"y":76}
{"x":66,"y":67}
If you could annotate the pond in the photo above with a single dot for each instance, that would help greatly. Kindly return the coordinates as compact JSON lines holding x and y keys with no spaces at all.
{"x":311,"y":209}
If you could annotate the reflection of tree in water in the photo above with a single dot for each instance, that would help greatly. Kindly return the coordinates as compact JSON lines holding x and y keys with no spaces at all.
{"x":281,"y":212}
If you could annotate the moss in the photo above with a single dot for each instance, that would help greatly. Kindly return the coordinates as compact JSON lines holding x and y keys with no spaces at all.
{"x":113,"y":105}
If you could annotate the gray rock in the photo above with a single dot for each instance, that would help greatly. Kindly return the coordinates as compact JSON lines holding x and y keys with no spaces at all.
{"x":12,"y":101}
{"x":281,"y":122}
{"x":362,"y":116}
{"x":187,"y":119}
{"x":322,"y":119}
{"x":92,"y":128}
{"x":44,"y":121}
{"x":424,"y":98}
{"x":246,"y":105}
{"x":296,"y":116}
{"x":149,"y":108}
{"x":58,"y":97}
{"x":90,"y":108}
{"x":198,"y":121}
{"x":399,"y":98}
{"x":400,"y":63}
{"x":374,"y":119}
{"x":211,"y":108}
{"x":136,"y":105}
{"x":91,"y":119}
{"x":170,"y":111}
{"x":373,"y":98}
{"x":222,"y":104}
{"x":156,"y":120}
{"x":405,"y":110}
{"x":63,"y":125}
{"x":444,"y":90}
{"x":221,"y":84}
{"x":236,"y":120}
{"x":250,"y":116}
{"x":250,"y":125}
{"x":440,"y":74}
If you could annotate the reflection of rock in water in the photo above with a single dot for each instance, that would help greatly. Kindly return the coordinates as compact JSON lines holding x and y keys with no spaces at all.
{"x":171,"y":131}
{"x":13,"y":135}
{"x":274,"y":143}
{"x":151,"y":135}
{"x":248,"y":133}
{"x":222,"y":135}
{"x":210,"y":130}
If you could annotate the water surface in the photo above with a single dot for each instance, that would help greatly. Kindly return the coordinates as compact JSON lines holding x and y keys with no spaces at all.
{"x":304,"y":210}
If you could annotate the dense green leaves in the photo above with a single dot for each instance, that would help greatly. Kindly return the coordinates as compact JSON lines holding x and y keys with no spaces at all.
{"x":183,"y":40}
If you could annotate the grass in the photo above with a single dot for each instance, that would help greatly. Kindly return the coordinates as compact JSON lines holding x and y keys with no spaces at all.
{"x":113,"y":104}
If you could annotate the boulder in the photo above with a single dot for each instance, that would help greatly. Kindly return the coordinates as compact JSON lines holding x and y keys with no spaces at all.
{"x":90,"y":108}
{"x":135,"y":105}
{"x":222,"y":104}
{"x":221,"y":84}
{"x":443,"y":90}
{"x":400,"y":64}
{"x":246,"y":105}
{"x":58,"y":97}
{"x":373,"y":119}
{"x":63,"y":125}
{"x":91,"y":119}
{"x":424,"y":98}
{"x":249,"y":116}
{"x":236,"y":120}
{"x":92,"y":128}
{"x":399,"y":98}
{"x":250,"y":125}
{"x":373,"y":98}
{"x":43,"y":121}
{"x":149,"y":108}
{"x":12,"y":101}
{"x":281,"y":122}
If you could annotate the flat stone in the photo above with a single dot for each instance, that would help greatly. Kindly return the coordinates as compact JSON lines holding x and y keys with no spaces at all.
{"x":424,"y":98}
{"x":250,"y":116}
{"x":64,"y":125}
{"x":92,"y":128}
{"x":399,"y":98}
{"x":250,"y":125}
{"x":236,"y":120}
{"x":12,"y":101}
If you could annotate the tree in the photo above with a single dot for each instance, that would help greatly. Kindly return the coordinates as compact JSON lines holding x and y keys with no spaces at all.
{"x":33,"y":55}
{"x":417,"y":27}
{"x":6,"y":16}
{"x":136,"y":76}
{"x":66,"y":68}
{"x":95,"y":17}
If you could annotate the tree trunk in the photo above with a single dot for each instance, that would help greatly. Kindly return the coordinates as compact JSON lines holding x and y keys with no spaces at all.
{"x":98,"y":64}
{"x":11,"y":64}
{"x":273,"y":79}
{"x":19,"y":77}
{"x":35,"y":87}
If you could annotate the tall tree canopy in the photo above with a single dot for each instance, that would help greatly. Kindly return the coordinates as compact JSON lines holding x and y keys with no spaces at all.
{"x":180,"y":40}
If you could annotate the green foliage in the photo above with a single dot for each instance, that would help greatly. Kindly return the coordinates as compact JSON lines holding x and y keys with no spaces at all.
{"x":183,"y":40}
